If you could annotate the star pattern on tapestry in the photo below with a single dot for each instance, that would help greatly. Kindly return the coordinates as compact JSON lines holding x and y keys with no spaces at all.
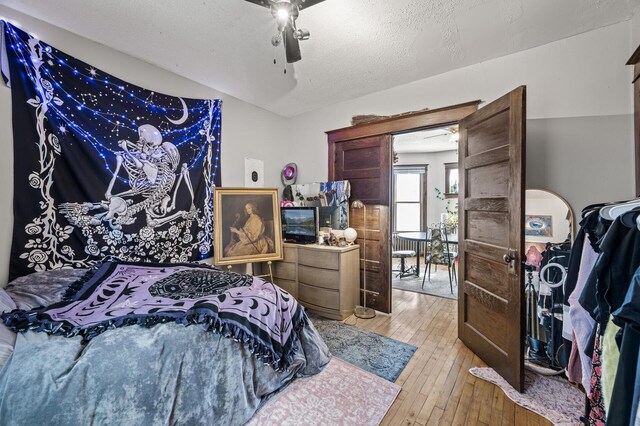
{"x":150,"y":146}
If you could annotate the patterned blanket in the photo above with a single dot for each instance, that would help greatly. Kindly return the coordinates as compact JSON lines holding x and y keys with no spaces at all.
{"x":115,"y":294}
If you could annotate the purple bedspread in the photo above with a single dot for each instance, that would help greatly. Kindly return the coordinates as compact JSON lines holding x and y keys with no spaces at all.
{"x":115,"y":294}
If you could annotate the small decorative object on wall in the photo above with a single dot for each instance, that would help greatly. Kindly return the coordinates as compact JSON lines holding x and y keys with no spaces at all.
{"x":538,"y":226}
{"x":105,"y":168}
{"x":247,"y":226}
{"x":289,"y":174}
{"x":253,"y":173}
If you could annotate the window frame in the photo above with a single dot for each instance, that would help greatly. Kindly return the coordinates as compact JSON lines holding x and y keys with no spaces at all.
{"x":447,"y":168}
{"x":423,"y":196}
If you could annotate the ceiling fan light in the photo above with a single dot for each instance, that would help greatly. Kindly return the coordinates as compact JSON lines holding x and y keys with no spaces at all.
{"x":283,"y":14}
{"x":283,"y":11}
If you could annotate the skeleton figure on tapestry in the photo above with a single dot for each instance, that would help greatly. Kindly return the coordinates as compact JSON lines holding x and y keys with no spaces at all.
{"x":151,"y":168}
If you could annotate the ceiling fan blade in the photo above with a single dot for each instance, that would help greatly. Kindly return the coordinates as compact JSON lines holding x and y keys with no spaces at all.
{"x":291,"y":45}
{"x":302,"y":4}
{"x":263,"y":3}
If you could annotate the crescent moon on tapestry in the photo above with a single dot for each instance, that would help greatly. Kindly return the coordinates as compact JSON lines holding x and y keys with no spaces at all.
{"x":185,"y":114}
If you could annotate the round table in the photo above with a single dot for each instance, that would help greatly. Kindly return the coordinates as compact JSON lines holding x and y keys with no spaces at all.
{"x":419,"y":237}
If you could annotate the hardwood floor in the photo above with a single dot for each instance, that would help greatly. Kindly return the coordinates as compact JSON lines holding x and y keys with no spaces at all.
{"x":437,"y":388}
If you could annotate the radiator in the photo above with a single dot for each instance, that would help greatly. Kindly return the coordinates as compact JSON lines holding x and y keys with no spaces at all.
{"x":400,"y":244}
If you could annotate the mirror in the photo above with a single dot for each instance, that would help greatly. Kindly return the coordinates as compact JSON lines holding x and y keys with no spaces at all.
{"x":548,"y":218}
{"x":548,"y":233}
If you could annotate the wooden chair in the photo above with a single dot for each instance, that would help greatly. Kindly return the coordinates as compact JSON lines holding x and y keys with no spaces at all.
{"x":439,"y":253}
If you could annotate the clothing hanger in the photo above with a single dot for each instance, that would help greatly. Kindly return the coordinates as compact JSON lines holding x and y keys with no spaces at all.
{"x":590,"y":208}
{"x":611,"y":212}
{"x":631,"y":218}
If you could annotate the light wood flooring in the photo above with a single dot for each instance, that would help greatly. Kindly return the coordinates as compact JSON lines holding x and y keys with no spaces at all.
{"x":437,"y":388}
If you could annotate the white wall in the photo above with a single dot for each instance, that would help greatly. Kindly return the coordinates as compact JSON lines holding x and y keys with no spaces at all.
{"x":435,"y":179}
{"x":247,"y":131}
{"x":635,"y":30}
{"x":583,"y":78}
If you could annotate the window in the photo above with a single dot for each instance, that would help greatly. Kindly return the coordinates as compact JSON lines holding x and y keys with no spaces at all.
{"x":409,"y":199}
{"x":451,"y":182}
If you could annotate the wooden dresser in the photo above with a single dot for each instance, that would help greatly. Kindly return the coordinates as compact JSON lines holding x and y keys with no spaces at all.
{"x":324,"y":279}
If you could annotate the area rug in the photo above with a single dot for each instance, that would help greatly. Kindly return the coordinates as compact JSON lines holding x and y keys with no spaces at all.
{"x":341,"y":394}
{"x":551,"y":397}
{"x":438,"y":286}
{"x":380,"y":355}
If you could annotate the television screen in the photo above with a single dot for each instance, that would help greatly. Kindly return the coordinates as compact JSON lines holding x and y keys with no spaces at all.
{"x":299,"y":224}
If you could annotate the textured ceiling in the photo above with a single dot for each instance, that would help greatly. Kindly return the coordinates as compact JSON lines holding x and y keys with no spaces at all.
{"x":431,"y":140}
{"x":356,"y":47}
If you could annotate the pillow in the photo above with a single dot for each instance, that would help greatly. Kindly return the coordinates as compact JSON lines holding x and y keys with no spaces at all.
{"x":7,"y":337}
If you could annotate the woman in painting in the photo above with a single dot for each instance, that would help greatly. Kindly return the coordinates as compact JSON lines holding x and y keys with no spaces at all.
{"x":250,"y":238}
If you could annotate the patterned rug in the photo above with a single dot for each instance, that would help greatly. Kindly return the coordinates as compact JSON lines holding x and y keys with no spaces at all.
{"x":438,"y":286}
{"x":551,"y":397}
{"x":341,"y":394}
{"x":372,"y":352}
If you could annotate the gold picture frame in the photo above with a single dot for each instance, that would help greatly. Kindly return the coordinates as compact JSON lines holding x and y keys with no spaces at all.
{"x":247,"y":225}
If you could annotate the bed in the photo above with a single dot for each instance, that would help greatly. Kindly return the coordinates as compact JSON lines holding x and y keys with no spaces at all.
{"x":167,"y":373}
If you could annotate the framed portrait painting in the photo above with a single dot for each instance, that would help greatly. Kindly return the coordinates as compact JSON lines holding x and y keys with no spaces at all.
{"x":247,"y":225}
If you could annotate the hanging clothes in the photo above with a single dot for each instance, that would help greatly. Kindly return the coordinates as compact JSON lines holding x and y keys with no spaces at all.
{"x":602,"y":291}
{"x":597,"y":415}
{"x":610,"y":359}
{"x":626,"y":389}
{"x":581,"y":320}
{"x":550,"y":300}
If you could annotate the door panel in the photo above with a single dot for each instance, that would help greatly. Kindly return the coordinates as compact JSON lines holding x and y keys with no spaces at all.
{"x":491,"y":300}
{"x":366,"y":163}
{"x":378,"y":254}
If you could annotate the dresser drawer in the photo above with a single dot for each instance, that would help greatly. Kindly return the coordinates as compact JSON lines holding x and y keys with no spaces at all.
{"x":290,"y":254}
{"x":326,"y":278}
{"x":319,"y":296}
{"x":289,"y":286}
{"x":284,"y":270}
{"x":319,"y":259}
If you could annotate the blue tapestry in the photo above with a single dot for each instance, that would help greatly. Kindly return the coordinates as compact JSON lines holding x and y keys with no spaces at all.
{"x":103,"y":168}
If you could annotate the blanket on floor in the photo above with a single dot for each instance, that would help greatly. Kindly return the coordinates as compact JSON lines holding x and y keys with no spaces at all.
{"x":115,"y":294}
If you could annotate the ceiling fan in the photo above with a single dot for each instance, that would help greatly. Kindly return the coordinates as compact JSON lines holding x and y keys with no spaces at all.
{"x":285,"y":13}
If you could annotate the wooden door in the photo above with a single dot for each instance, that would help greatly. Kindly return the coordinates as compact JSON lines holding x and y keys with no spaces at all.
{"x":491,"y":294}
{"x":366,"y":164}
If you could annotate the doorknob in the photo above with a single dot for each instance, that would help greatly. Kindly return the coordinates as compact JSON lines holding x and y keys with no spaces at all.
{"x":510,"y":259}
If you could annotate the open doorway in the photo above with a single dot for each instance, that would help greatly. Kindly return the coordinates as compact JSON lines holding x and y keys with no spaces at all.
{"x":425,"y":211}
{"x":491,"y":225}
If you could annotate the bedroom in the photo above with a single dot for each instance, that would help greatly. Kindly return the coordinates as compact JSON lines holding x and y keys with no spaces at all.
{"x":579,"y":104}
